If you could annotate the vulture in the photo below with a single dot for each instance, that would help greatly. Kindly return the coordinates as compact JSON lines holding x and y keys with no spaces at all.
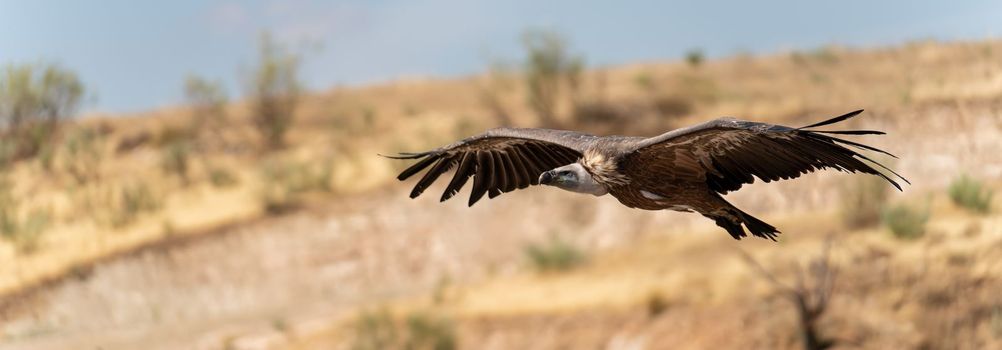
{"x":687,"y":169}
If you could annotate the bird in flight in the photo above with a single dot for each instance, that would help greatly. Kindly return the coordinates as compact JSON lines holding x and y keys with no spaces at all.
{"x":687,"y":169}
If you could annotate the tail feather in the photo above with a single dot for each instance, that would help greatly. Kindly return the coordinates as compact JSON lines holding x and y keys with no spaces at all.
{"x":731,"y":218}
{"x":758,"y":227}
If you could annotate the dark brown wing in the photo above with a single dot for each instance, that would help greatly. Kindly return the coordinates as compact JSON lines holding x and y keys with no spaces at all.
{"x":499,"y":160}
{"x":728,"y":152}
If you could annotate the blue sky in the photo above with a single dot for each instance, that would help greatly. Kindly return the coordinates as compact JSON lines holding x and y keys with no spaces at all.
{"x":134,"y":55}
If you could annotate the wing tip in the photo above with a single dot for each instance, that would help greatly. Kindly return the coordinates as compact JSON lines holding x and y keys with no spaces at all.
{"x":404,"y":155}
{"x":833,"y":120}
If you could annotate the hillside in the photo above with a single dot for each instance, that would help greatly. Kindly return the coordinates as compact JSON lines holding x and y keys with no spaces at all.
{"x":300,"y":242}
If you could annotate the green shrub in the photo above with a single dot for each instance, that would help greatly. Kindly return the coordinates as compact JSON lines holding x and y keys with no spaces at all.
{"x":24,"y":233}
{"x":825,"y":55}
{"x":207,"y":100}
{"x":645,"y":81}
{"x":9,"y":208}
{"x":274,"y":92}
{"x":130,"y":202}
{"x":220,"y":177}
{"x":554,"y":255}
{"x":905,"y":222}
{"x":971,"y":194}
{"x":549,"y":70}
{"x":27,"y":233}
{"x":34,"y":101}
{"x":427,"y":331}
{"x":375,"y":330}
{"x":174,"y":160}
{"x":695,"y":58}
{"x":82,"y":154}
{"x":863,"y":200}
{"x":284,"y":181}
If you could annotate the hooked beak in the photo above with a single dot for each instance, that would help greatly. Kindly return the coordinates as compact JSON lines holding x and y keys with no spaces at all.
{"x":546,"y":178}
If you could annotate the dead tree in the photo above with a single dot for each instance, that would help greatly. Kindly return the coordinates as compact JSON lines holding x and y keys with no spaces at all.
{"x":811,"y":298}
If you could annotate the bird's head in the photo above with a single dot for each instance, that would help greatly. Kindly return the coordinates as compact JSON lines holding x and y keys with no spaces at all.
{"x":572,"y":177}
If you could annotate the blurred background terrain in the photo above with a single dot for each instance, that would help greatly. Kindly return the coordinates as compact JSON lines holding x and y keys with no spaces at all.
{"x":192,"y":201}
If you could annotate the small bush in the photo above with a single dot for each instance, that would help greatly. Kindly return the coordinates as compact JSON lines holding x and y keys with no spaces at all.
{"x":82,"y":154}
{"x":549,"y":71}
{"x":133,"y":141}
{"x":284,"y":181}
{"x":672,"y":106}
{"x":174,"y":160}
{"x":173,"y":134}
{"x":498,"y":82}
{"x":427,"y":331}
{"x":130,"y":202}
{"x":825,"y":55}
{"x":656,"y":304}
{"x":698,"y":88}
{"x":9,"y":207}
{"x":25,"y":233}
{"x":46,"y":155}
{"x":222,"y":178}
{"x":695,"y":58}
{"x":644,"y":81}
{"x":207,"y":100}
{"x":554,"y":255}
{"x":274,"y":92}
{"x":863,"y":200}
{"x":905,"y":222}
{"x":971,"y":194}
{"x":34,"y":101}
{"x":376,"y":330}
{"x":29,"y":234}
{"x":590,"y":112}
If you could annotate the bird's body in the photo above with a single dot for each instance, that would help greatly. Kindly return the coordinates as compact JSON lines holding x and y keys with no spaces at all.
{"x":687,"y":169}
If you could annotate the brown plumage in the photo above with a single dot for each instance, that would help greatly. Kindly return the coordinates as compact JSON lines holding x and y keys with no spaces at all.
{"x":686,"y":169}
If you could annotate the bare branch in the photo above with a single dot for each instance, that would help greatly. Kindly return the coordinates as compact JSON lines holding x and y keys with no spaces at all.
{"x":762,"y":272}
{"x":809,"y":298}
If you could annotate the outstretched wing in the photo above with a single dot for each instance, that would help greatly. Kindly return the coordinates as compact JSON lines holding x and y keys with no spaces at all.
{"x":499,"y":160}
{"x":727,"y":152}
